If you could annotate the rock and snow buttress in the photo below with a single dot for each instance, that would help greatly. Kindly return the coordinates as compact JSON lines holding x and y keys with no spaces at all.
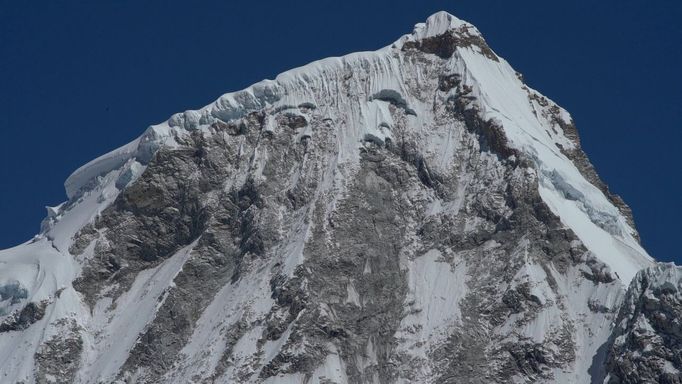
{"x":415,"y":214}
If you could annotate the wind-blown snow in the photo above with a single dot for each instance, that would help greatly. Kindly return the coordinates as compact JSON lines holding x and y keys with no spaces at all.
{"x":100,"y":166}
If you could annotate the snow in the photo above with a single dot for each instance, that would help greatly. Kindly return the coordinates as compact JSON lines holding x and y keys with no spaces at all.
{"x":668,"y":367}
{"x":41,"y":270}
{"x":548,"y":316}
{"x":115,"y":328}
{"x":352,"y":295}
{"x":432,"y":304}
{"x":664,"y":275}
{"x":72,"y":217}
{"x":332,"y":370}
{"x":625,"y":259}
{"x":502,"y":97}
{"x":247,"y":300}
{"x":437,"y":24}
{"x":100,"y":166}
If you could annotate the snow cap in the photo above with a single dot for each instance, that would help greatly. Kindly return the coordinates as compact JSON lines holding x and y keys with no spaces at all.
{"x":437,"y":24}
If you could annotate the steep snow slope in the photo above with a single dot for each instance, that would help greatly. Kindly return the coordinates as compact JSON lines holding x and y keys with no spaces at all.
{"x":416,"y":213}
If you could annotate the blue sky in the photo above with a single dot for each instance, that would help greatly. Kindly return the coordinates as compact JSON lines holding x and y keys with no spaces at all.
{"x":80,"y":78}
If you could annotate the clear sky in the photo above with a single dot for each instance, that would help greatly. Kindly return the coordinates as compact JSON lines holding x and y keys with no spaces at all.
{"x":78,"y":79}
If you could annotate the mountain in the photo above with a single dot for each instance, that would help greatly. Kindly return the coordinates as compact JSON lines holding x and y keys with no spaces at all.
{"x":415,"y":214}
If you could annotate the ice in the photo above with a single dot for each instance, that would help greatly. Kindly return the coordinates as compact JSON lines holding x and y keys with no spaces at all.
{"x":100,"y":166}
{"x":12,"y":293}
{"x":623,"y":258}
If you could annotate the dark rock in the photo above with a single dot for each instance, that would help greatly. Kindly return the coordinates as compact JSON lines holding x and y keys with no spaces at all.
{"x":22,"y":319}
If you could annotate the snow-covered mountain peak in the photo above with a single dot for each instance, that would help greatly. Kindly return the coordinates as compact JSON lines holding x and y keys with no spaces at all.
{"x":411,"y":214}
{"x":440,"y":23}
{"x":524,"y":123}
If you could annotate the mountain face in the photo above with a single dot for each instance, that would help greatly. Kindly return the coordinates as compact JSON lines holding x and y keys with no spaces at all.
{"x":646,"y":344}
{"x":415,"y":214}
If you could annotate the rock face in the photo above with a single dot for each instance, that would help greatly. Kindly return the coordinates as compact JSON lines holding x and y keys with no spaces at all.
{"x":647,"y":345}
{"x":411,"y":215}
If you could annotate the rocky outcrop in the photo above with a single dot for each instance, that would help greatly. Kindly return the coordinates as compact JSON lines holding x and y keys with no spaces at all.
{"x":647,"y":341}
{"x":23,"y":318}
{"x":445,"y":44}
{"x":58,"y":358}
